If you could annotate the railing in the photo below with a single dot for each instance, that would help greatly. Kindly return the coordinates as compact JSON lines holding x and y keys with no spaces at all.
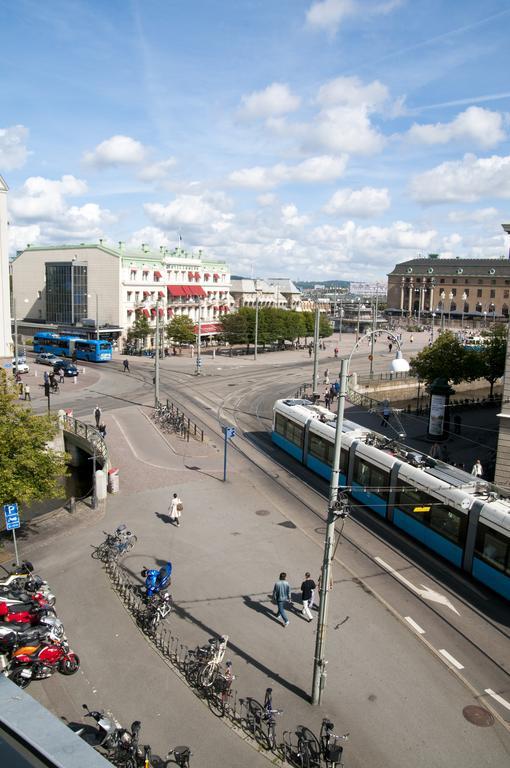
{"x":189,"y":427}
{"x":88,"y":433}
{"x":366,"y":378}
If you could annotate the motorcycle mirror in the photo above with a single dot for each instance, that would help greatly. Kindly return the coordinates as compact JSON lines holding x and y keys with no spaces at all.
{"x":135,"y":727}
{"x":84,"y":706}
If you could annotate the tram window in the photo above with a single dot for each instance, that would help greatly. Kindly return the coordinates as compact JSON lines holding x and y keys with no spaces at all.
{"x":289,"y":430}
{"x":448,"y":522}
{"x":379,"y":481}
{"x":408,"y":498}
{"x":493,"y":547}
{"x":318,"y":448}
{"x":361,"y":472}
{"x":279,"y":425}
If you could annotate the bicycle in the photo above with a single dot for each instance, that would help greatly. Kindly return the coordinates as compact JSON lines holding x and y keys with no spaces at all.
{"x":118,"y":543}
{"x":209,"y":671}
{"x":260,"y":720}
{"x":196,"y":659}
{"x":220,"y":692}
{"x":302,"y":748}
{"x":331,"y":750}
{"x":158,"y":608}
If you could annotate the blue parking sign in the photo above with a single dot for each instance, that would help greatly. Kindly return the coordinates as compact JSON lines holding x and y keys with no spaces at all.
{"x":11,"y":516}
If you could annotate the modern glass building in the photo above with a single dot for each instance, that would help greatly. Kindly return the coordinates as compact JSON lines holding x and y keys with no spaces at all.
{"x":66,"y":292}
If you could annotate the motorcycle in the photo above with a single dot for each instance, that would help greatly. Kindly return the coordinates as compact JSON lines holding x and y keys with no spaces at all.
{"x":107,"y":734}
{"x":25,"y":613}
{"x":158,"y":608}
{"x":15,"y":598}
{"x":156,"y":581}
{"x":23,"y":579}
{"x":39,"y":661}
{"x":13,"y":636}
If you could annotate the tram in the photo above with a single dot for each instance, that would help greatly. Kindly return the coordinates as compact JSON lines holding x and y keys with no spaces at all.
{"x":463,"y":519}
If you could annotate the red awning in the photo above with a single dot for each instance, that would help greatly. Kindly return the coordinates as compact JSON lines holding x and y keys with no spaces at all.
{"x":185,"y":290}
{"x":207,"y":275}
{"x":206,"y":328}
{"x":190,"y":275}
{"x":158,"y":275}
{"x":169,"y":311}
{"x":215,"y":309}
{"x":146,"y":293}
{"x":161,"y":294}
{"x":216,"y":276}
{"x":161,"y":311}
{"x":145,"y":312}
{"x":153,"y":311}
{"x":197,"y":275}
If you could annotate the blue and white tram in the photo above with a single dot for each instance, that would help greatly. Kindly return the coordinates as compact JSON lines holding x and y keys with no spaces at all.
{"x":468,"y":527}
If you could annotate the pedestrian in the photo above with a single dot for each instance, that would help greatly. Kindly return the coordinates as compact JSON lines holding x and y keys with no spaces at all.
{"x":73,"y":357}
{"x":477,"y":469}
{"x":386,"y":413}
{"x":126,"y":366}
{"x":307,"y":595}
{"x":457,"y":423}
{"x":337,"y":387}
{"x":390,"y":347}
{"x":17,"y":378}
{"x":327,"y":399}
{"x":281,"y":595}
{"x":27,"y":392}
{"x":97,"y":416}
{"x":332,"y":393}
{"x":411,"y":339}
{"x":336,"y":351}
{"x":434,"y":451}
{"x":21,"y":390}
{"x":46,"y":378}
{"x":326,"y":376}
{"x":60,"y":375}
{"x":176,"y":507}
{"x":102,"y":430}
{"x":309,"y":350}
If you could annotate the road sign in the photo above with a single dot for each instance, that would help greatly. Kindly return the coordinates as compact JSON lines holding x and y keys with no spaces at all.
{"x":229,"y":431}
{"x":11,"y":516}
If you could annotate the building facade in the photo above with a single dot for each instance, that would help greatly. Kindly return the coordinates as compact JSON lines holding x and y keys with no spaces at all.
{"x":6,"y":348}
{"x":275,"y":292}
{"x":476,"y":288}
{"x":72,"y":283}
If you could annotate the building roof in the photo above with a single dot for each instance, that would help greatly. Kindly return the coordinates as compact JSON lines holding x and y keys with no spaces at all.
{"x":3,"y":185}
{"x":436,"y":266}
{"x":284,"y":284}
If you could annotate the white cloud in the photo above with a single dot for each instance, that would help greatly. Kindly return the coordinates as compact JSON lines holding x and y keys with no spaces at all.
{"x":151,"y":236}
{"x":313,"y":170}
{"x":267,"y":199}
{"x":329,"y":14}
{"x":481,"y":126}
{"x":276,"y":99}
{"x":465,"y":180}
{"x":366,"y":241}
{"x":363,"y":203}
{"x":351,"y":91}
{"x":291,"y":217}
{"x":115,"y":151}
{"x":13,"y":150}
{"x":44,"y":199}
{"x":157,"y":171}
{"x":21,"y":236}
{"x":208,"y":213}
{"x":480,"y":216}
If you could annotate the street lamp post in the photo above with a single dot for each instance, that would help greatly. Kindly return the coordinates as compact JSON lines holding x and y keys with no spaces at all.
{"x":374,"y":330}
{"x":485,"y":319}
{"x":336,"y":508}
{"x":156,"y":360}
{"x":341,"y":316}
{"x":464,"y":299}
{"x":316,"y":336}
{"x":442,"y":296}
{"x":450,"y":296}
{"x":433,"y":319}
{"x":357,"y":326}
{"x":256,"y":323}
{"x":199,"y":339}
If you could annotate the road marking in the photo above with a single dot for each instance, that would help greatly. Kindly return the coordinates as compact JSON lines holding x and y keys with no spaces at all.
{"x":414,"y":625}
{"x":426,"y":592}
{"x":451,"y":659}
{"x":496,"y":696}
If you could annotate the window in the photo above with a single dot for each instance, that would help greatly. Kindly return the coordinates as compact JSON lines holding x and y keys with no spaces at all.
{"x":289,"y":430}
{"x":374,"y":479}
{"x":129,"y":294}
{"x":442,"y":280}
{"x":480,"y":282}
{"x":442,"y":519}
{"x":466,"y":282}
{"x":506,"y":293}
{"x":479,"y":292}
{"x":493,"y":547}
{"x":467,"y":291}
{"x":454,"y":281}
{"x":137,"y":296}
{"x":492,"y":293}
{"x":454,"y":291}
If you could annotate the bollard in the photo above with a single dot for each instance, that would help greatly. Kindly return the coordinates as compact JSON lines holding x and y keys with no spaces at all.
{"x":74,"y":379}
{"x":83,"y":371}
{"x":35,"y":374}
{"x":72,"y":504}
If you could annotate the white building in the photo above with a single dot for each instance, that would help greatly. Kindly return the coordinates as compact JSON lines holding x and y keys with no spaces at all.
{"x":71,"y":283}
{"x":279,"y":293}
{"x":5,"y":308}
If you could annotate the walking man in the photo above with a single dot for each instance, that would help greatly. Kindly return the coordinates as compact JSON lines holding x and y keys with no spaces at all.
{"x":281,"y":594}
{"x":176,"y":507}
{"x":97,"y":416}
{"x":477,"y":470}
{"x":386,"y":413}
{"x":126,"y":366}
{"x":327,"y":399}
{"x":307,"y":593}
{"x":60,"y":375}
{"x":27,"y":392}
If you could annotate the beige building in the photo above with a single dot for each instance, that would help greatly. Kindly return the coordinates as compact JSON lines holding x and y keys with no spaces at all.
{"x":469,"y":288}
{"x":68,"y":284}
{"x":279,"y":293}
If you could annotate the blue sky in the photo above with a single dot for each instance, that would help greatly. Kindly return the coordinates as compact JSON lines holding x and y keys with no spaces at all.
{"x":324,"y":139}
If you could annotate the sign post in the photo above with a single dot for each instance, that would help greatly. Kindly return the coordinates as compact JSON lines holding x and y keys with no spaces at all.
{"x":11,"y":523}
{"x":228,"y":432}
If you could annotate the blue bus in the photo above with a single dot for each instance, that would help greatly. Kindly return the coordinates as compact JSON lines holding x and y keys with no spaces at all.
{"x":64,"y":346}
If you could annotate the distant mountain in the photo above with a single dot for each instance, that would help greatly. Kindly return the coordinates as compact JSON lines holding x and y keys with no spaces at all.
{"x":307,"y":284}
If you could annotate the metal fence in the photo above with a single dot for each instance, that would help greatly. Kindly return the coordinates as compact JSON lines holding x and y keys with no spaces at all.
{"x":88,"y":433}
{"x":371,"y":378}
{"x":189,"y":427}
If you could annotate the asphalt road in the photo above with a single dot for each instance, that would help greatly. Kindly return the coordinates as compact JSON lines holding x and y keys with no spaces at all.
{"x":394,"y":679}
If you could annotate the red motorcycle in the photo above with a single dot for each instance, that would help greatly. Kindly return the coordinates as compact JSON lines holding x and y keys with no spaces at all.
{"x":25,"y":613}
{"x":36,"y":662}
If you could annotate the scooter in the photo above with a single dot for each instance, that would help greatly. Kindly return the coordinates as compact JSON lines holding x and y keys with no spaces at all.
{"x":18,"y":576}
{"x":156,"y":581}
{"x":41,"y":660}
{"x":108,"y":730}
{"x":16,"y":598}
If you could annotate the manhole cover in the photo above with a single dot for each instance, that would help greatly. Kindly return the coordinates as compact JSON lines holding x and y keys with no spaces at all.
{"x":478,"y":716}
{"x":262,"y":512}
{"x":287,"y":524}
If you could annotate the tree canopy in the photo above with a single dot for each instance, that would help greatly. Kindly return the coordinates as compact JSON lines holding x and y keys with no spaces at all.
{"x":448,"y":358}
{"x":181,"y":330}
{"x":275,"y":325}
{"x":140,"y":329}
{"x":29,"y":470}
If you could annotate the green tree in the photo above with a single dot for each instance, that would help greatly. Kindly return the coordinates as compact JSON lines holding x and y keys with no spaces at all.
{"x":181,"y":330}
{"x":236,"y":326}
{"x":325,"y":327}
{"x":446,"y":358}
{"x":140,"y":329}
{"x":29,"y":470}
{"x":492,"y":356}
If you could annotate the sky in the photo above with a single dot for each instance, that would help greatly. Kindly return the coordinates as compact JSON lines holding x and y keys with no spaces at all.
{"x":310,"y":139}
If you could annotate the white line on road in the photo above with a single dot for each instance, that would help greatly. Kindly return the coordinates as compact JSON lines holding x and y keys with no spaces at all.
{"x":426,"y":592}
{"x":415,"y":625}
{"x":499,"y":698}
{"x":451,"y":659}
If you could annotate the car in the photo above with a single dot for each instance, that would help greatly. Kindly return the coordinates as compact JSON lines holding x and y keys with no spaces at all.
{"x":20,"y":367}
{"x":67,"y":366}
{"x":22,"y":358}
{"x":48,"y":358}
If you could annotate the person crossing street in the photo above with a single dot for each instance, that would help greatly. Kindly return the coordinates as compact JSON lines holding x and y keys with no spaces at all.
{"x":281,"y":595}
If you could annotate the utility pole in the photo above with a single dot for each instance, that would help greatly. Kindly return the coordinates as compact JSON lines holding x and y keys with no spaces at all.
{"x":97,"y":318}
{"x":199,"y":329}
{"x":374,"y":329}
{"x":357,"y":327}
{"x":256,"y":324}
{"x":15,"y":332}
{"x":316,"y":351}
{"x":334,"y":510}
{"x":341,"y":315}
{"x":156,"y":361}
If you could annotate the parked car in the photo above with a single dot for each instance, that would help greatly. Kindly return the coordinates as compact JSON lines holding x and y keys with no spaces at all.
{"x":20,"y":367}
{"x":67,"y":366}
{"x":22,"y":358}
{"x":48,"y":358}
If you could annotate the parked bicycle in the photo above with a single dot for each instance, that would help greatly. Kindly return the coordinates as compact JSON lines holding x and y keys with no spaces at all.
{"x":302,"y":748}
{"x":220,"y":693}
{"x":158,"y":608}
{"x":210,"y":670}
{"x":260,"y":720}
{"x":201,"y":665}
{"x":115,"y":545}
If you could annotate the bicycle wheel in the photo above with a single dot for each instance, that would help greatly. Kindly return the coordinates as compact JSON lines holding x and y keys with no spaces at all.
{"x":191,"y":670}
{"x":254,"y":715}
{"x":216,"y":702}
{"x":208,"y":674}
{"x":290,"y":748}
{"x":99,"y":553}
{"x":309,"y":748}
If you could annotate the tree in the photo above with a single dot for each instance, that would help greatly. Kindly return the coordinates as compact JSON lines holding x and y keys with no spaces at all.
{"x":181,"y":330}
{"x":140,"y":329}
{"x":325,"y":327}
{"x":445,"y":358}
{"x":29,"y":470}
{"x":236,"y":326}
{"x":492,"y":356}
